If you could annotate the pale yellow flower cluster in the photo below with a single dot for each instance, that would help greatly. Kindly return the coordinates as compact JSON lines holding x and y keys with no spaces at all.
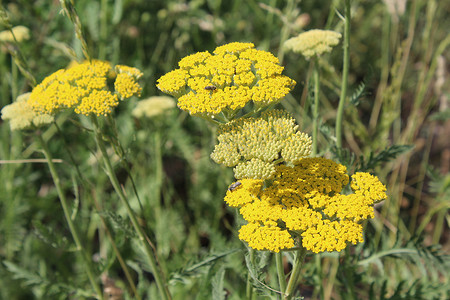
{"x":207,"y":84}
{"x":21,"y":33}
{"x":304,"y":205}
{"x":313,"y":42}
{"x":21,"y":116}
{"x":153,"y":106}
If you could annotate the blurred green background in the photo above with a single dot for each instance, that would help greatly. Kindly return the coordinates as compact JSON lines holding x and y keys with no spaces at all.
{"x":398,"y":66}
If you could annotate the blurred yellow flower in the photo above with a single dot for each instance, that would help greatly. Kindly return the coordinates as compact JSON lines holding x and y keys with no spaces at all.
{"x":20,"y":32}
{"x":207,"y":84}
{"x":153,"y":106}
{"x":313,"y":42}
{"x":85,"y":88}
{"x":22,"y":116}
{"x":304,"y":204}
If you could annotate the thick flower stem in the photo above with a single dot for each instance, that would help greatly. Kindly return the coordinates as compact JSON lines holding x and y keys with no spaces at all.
{"x":87,"y":261}
{"x":315,"y":134}
{"x":295,"y":274}
{"x":346,"y":45}
{"x":151,"y":255}
{"x":280,"y":271}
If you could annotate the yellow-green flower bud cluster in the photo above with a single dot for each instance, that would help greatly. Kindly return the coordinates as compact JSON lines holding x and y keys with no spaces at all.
{"x":304,"y":204}
{"x":21,"y":115}
{"x":313,"y":42}
{"x":84,"y":87}
{"x":207,"y":84}
{"x":254,"y":168}
{"x":255,"y":145}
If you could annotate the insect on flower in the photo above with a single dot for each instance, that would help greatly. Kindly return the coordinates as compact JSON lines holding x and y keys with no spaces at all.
{"x":210,"y":87}
{"x":234,"y":186}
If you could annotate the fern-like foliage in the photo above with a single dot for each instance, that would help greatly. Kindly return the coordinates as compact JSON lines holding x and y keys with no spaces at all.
{"x":362,"y":164}
{"x":195,"y":269}
{"x":358,"y":94}
{"x":257,"y":271}
{"x":51,"y":288}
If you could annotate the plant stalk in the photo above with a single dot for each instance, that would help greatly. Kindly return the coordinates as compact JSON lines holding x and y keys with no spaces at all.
{"x":87,"y":261}
{"x":315,"y":134}
{"x":150,"y":253}
{"x":249,"y":290}
{"x":280,"y":271}
{"x":295,"y":274}
{"x":345,"y":69}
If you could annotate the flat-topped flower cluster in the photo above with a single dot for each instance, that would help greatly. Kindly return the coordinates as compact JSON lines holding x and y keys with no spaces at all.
{"x":236,"y":74}
{"x":85,"y":88}
{"x":304,"y":203}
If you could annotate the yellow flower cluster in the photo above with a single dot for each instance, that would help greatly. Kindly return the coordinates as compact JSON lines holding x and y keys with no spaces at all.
{"x":126,"y":84}
{"x":21,"y":115}
{"x":85,"y":88}
{"x":207,"y":84}
{"x":313,"y":42}
{"x":304,"y":203}
{"x":255,"y":145}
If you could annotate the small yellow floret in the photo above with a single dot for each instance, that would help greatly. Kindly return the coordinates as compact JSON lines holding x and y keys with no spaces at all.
{"x":235,"y":47}
{"x":270,"y":238}
{"x":98,"y":102}
{"x":127,"y":86}
{"x":131,"y":71}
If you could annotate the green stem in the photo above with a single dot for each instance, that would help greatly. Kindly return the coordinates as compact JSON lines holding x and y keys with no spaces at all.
{"x":295,"y":275}
{"x":345,"y":69}
{"x":103,"y":29}
{"x":158,"y":167}
{"x":72,"y":228}
{"x":14,"y":90}
{"x":150,"y":253}
{"x":315,"y":134}
{"x":249,"y":290}
{"x":69,"y":8}
{"x":285,"y":29}
{"x":117,"y":252}
{"x":280,"y":271}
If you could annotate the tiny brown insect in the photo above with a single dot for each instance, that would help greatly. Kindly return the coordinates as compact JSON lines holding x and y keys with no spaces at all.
{"x":210,"y":87}
{"x":234,"y":186}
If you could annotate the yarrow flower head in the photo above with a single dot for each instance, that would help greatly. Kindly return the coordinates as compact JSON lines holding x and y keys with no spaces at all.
{"x":21,"y":115}
{"x":225,"y":81}
{"x":304,"y":205}
{"x":85,"y":88}
{"x":313,"y":42}
{"x":20,"y":32}
{"x":255,"y":145}
{"x":153,"y":106}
